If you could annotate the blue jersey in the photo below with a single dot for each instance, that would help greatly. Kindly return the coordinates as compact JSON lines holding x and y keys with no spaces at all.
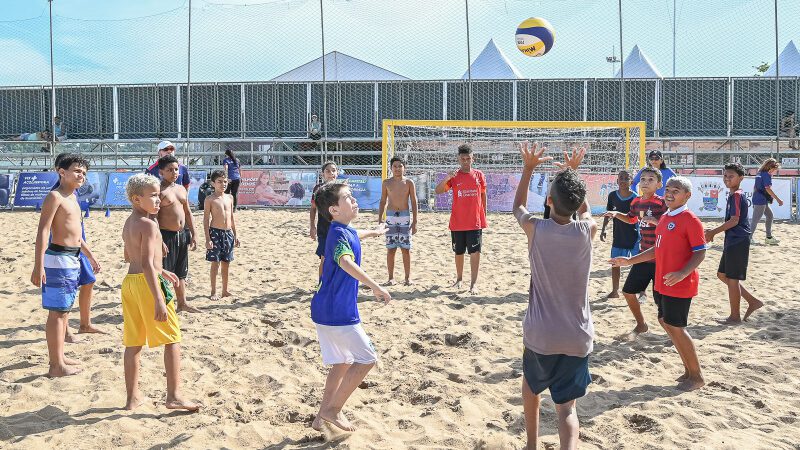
{"x":762,"y":182}
{"x":334,"y":303}
{"x":737,"y":206}
{"x":233,"y":168}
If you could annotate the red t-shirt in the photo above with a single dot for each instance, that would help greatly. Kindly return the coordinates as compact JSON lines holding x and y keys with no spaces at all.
{"x":468,"y":211}
{"x":677,"y":238}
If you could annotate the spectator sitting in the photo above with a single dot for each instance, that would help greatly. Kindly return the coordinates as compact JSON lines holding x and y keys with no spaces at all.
{"x":37,"y":136}
{"x":788,"y":128}
{"x":315,"y":129}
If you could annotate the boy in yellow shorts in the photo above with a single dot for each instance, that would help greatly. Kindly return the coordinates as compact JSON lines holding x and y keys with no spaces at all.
{"x":148,"y":306}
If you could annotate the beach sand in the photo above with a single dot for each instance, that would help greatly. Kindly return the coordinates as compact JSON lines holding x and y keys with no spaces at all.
{"x":449,"y":374}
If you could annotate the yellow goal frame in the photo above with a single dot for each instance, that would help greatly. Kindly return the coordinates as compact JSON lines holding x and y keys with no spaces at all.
{"x":390,"y":124}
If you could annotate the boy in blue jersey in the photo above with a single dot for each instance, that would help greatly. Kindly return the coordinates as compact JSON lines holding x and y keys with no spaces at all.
{"x":343,"y":343}
{"x":736,"y":250}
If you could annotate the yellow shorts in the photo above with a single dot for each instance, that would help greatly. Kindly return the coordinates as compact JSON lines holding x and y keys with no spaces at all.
{"x":139,"y":326}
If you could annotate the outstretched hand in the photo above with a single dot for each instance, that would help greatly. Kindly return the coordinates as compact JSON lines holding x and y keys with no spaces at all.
{"x":572,"y":162}
{"x":530,"y":157}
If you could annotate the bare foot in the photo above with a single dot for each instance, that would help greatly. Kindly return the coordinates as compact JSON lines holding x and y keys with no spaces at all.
{"x":71,"y":338}
{"x":62,"y":371}
{"x":613,"y":294}
{"x":317,"y":423}
{"x":456,"y":284}
{"x":729,"y":321}
{"x":90,"y":329}
{"x":391,"y":282}
{"x":339,"y":420}
{"x":690,"y":384}
{"x":179,"y":403}
{"x":683,"y":377}
{"x":752,"y":307}
{"x":630,"y":337}
{"x":213,"y":296}
{"x":407,"y":282}
{"x":71,"y":362}
{"x":226,"y":294}
{"x":134,"y":402}
{"x":473,"y":290}
{"x":186,"y":308}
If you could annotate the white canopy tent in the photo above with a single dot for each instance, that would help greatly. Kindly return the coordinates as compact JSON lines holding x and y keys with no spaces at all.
{"x":339,"y":67}
{"x":638,"y":65}
{"x":788,"y":62}
{"x":492,"y":64}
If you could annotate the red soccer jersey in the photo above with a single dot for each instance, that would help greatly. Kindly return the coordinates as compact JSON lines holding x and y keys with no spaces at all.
{"x":468,"y":212}
{"x":654,"y":207}
{"x":678,"y":236}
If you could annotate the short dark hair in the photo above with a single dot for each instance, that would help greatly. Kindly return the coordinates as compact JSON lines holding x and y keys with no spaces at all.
{"x":648,"y":169}
{"x":69,"y":159}
{"x":297,"y":190}
{"x":59,"y":157}
{"x":164,"y":161}
{"x":567,"y":192}
{"x":326,"y":164}
{"x":327,"y":196}
{"x":736,"y":167}
{"x":397,"y":158}
{"x":464,"y":149}
{"x":219,"y":173}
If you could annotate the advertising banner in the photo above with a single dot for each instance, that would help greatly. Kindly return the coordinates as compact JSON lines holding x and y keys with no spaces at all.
{"x":366,"y":190}
{"x":33,"y":187}
{"x":93,"y":192}
{"x":115,"y":188}
{"x":277,"y":187}
{"x":196,"y":178}
{"x":709,"y":196}
{"x":500,"y":191}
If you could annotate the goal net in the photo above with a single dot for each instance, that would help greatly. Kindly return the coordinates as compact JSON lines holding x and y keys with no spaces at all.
{"x":430,"y":150}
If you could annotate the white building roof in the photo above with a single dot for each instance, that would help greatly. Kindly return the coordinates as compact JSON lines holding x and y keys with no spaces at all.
{"x":339,"y":67}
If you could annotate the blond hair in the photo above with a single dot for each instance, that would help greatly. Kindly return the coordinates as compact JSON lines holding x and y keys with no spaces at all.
{"x":137,"y":183}
{"x":769,"y":164}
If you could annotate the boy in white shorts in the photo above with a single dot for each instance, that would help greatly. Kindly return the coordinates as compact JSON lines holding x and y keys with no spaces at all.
{"x":344,"y":344}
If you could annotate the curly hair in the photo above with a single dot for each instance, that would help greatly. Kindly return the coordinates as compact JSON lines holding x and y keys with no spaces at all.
{"x":567,"y":192}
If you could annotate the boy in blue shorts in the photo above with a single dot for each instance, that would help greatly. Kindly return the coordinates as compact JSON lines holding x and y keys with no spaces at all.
{"x":736,"y":250}
{"x":557,"y":329}
{"x":86,"y":279}
{"x":57,"y":266}
{"x":625,"y":235}
{"x":220,"y":229}
{"x":343,"y":343}
{"x":679,"y":248}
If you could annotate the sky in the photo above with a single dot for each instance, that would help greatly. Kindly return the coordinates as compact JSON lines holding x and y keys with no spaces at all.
{"x":146,"y":41}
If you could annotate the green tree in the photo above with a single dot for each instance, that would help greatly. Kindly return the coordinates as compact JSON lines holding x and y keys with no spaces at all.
{"x":761,"y":68}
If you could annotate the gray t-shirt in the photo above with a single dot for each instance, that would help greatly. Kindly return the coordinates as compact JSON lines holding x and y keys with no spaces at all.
{"x":558,"y":320}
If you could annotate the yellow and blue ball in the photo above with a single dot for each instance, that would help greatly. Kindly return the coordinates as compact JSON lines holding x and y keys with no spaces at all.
{"x":535,"y":36}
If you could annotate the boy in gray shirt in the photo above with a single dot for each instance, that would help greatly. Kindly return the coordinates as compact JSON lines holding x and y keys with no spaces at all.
{"x":557,"y":329}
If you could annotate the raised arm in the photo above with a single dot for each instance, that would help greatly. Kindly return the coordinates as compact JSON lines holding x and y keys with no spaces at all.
{"x":531,"y":158}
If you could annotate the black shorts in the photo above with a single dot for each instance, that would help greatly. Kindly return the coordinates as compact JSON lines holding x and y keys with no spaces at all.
{"x":674,"y":310}
{"x":321,"y":238}
{"x":566,"y":376}
{"x":639,"y":278}
{"x":466,"y":241}
{"x":734,"y":260}
{"x":177,"y":258}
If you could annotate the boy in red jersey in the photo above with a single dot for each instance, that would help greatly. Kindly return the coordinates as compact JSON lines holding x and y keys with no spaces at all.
{"x":679,"y":249}
{"x":468,"y":215}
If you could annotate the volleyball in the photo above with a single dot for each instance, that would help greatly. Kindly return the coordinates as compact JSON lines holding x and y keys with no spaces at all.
{"x":535,"y":37}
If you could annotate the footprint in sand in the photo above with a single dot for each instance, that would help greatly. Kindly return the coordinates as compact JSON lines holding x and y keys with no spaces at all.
{"x":642,"y":424}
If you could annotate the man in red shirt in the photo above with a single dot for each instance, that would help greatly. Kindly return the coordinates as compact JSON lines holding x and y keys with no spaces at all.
{"x":468,"y":214}
{"x":679,"y":249}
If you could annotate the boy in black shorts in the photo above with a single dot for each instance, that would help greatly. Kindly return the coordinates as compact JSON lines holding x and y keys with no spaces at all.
{"x":736,"y":250}
{"x":625,"y":236}
{"x":647,"y":210}
{"x":679,"y":249}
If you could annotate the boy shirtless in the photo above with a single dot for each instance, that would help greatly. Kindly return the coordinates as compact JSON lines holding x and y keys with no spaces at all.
{"x":398,"y":191}
{"x":220,"y":231}
{"x":148,"y":309}
{"x":56,"y":267}
{"x":173,"y":216}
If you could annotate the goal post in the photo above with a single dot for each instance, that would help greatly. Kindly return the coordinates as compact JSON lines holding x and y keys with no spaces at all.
{"x":431,"y":145}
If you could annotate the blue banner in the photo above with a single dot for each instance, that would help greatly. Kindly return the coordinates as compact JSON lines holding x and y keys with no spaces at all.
{"x":196,"y":177}
{"x":93,"y":191}
{"x":366,"y":190}
{"x":6,"y":181}
{"x":33,"y":187}
{"x":115,"y":192}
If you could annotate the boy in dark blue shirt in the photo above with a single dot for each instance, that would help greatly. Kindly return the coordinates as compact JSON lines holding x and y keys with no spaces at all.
{"x":625,"y":235}
{"x":343,"y":342}
{"x":736,"y":251}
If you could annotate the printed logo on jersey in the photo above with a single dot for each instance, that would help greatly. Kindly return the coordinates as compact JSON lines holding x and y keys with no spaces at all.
{"x":671,"y":226}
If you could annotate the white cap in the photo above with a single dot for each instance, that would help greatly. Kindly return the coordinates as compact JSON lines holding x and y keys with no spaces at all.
{"x":164,"y":144}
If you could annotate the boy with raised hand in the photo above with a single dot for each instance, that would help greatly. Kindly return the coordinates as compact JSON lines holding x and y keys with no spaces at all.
{"x":148,"y":309}
{"x":557,"y":329}
{"x":173,"y":217}
{"x":220,"y":228}
{"x":736,"y":250}
{"x":398,"y":191}
{"x":646,"y":210}
{"x":467,"y":215}
{"x":56,"y":267}
{"x":342,"y":340}
{"x":625,"y":235}
{"x":680,"y":248}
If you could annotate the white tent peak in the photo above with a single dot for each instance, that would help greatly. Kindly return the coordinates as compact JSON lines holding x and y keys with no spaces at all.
{"x":788,"y":62}
{"x":339,"y":67}
{"x":492,"y":64}
{"x":638,"y":65}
